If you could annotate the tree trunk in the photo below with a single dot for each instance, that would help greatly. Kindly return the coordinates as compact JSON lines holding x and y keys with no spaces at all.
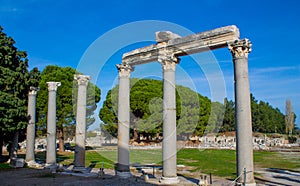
{"x":1,"y":142}
{"x":135,"y":134}
{"x":61,"y":139}
{"x":13,"y":151}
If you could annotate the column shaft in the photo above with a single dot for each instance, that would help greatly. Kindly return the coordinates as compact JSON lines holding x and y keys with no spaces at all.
{"x":51,"y":124}
{"x":169,"y":124}
{"x":123,"y":118}
{"x":244,"y":146}
{"x":169,"y":148}
{"x":30,"y":135}
{"x":79,"y":159}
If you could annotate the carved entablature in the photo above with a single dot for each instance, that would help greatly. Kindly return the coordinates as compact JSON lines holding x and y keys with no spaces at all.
{"x":82,"y":79}
{"x":240,"y":48}
{"x":168,"y":59}
{"x":33,"y":90}
{"x":124,"y":70}
{"x":52,"y":86}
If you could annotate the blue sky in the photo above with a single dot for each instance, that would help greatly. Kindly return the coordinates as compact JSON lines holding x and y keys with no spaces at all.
{"x":61,"y":32}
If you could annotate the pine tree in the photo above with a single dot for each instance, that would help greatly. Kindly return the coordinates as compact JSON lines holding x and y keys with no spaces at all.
{"x":66,"y":101}
{"x":13,"y":93}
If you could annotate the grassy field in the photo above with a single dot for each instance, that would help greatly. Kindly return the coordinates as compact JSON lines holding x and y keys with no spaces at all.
{"x":218,"y":162}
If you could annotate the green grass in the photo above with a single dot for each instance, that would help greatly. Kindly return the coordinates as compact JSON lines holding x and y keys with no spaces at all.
{"x":5,"y":166}
{"x":218,"y":162}
{"x":276,"y":160}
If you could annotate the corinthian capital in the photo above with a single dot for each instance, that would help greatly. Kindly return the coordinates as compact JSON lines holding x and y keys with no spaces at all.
{"x":33,"y":90}
{"x":167,"y":59}
{"x":240,"y":48}
{"x":124,"y":70}
{"x":82,"y":79}
{"x":52,"y":86}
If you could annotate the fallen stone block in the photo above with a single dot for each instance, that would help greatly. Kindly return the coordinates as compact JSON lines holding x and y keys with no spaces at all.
{"x":17,"y":162}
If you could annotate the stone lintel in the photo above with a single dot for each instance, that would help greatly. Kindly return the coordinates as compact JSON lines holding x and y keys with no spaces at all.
{"x":203,"y":41}
{"x":164,"y":36}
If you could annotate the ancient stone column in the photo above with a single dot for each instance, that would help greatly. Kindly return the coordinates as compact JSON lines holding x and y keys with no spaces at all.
{"x":123,"y":120}
{"x":169,"y":149}
{"x":30,"y":135}
{"x":51,"y":125}
{"x":79,"y":159}
{"x":244,"y":147}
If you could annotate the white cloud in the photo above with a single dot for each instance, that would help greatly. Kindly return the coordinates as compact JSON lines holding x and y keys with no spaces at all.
{"x":271,"y":69}
{"x":40,"y":63}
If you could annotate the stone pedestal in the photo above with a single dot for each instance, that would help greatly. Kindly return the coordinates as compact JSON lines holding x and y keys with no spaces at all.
{"x":244,"y":148}
{"x":30,"y":135}
{"x":79,"y":159}
{"x":123,"y":120}
{"x":169,"y":149}
{"x":51,"y":125}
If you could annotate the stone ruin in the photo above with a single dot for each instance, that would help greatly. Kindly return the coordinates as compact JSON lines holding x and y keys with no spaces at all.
{"x":167,"y":51}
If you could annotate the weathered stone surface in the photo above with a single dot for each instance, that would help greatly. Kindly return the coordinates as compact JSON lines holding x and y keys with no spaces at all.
{"x":17,"y":162}
{"x":30,"y":135}
{"x":165,"y":36}
{"x":51,"y":125}
{"x":124,"y":120}
{"x":244,"y":147}
{"x":213,"y":39}
{"x":79,"y":156}
{"x":169,"y":120}
{"x":169,"y":47}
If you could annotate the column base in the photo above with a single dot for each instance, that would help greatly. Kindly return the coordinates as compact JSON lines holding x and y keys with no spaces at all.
{"x":79,"y":169}
{"x":52,"y":167}
{"x":31,"y":161}
{"x":169,"y":180}
{"x":123,"y":175}
{"x":250,"y":184}
{"x":34,"y":164}
{"x":247,"y":184}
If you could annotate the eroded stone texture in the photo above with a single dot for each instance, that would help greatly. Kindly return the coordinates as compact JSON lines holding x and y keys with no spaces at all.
{"x":181,"y":46}
{"x":244,"y":148}
{"x":123,"y":120}
{"x":168,"y":48}
{"x":79,"y":156}
{"x":30,"y":135}
{"x":51,"y":125}
{"x":165,"y":36}
{"x":169,"y":149}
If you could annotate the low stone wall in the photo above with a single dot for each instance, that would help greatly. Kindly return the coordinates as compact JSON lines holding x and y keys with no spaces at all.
{"x":208,"y":141}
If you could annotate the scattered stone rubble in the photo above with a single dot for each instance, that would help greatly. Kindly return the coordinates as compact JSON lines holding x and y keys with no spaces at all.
{"x":215,"y":141}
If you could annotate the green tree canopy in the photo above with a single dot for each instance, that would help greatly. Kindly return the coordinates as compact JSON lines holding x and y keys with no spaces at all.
{"x":14,"y":81}
{"x":265,"y":118}
{"x":196,"y":114}
{"x":192,"y":109}
{"x":65,"y":100}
